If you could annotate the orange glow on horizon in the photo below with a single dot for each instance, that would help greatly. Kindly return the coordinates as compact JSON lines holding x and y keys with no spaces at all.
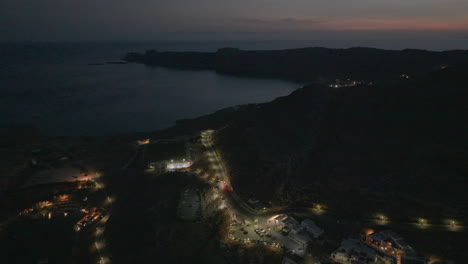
{"x":390,"y":24}
{"x":363,"y":23}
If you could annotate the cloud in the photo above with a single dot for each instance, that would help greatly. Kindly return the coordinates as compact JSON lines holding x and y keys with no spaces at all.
{"x":271,"y":24}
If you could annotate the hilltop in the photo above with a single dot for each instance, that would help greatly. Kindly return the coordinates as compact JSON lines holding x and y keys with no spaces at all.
{"x":398,"y":146}
{"x":308,"y":64}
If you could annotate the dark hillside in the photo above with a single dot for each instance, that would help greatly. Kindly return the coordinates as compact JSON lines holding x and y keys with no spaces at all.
{"x":309,"y":64}
{"x":406,"y":138}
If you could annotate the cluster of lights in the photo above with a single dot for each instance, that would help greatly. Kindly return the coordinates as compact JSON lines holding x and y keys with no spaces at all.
{"x":452,"y":224}
{"x":382,"y":219}
{"x":422,"y":221}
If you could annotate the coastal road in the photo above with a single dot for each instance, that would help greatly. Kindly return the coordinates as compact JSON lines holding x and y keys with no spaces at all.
{"x":241,"y":209}
{"x":236,"y":207}
{"x":221,"y":175}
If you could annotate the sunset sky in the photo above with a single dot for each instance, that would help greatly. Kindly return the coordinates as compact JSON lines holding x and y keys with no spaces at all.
{"x":67,"y":20}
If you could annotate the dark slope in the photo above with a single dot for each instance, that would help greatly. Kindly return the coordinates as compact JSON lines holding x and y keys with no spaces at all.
{"x":400,"y":142}
{"x":308,"y":64}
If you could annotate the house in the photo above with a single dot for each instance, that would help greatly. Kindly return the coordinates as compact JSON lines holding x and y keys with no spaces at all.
{"x":312,"y":228}
{"x":284,"y":221}
{"x":354,"y":251}
{"x":389,"y":241}
{"x":290,"y":223}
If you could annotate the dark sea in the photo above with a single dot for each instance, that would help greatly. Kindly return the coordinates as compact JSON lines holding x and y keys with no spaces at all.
{"x":54,"y":88}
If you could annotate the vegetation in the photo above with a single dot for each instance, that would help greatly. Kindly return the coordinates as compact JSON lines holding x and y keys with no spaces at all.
{"x":308,"y":64}
{"x":165,"y":151}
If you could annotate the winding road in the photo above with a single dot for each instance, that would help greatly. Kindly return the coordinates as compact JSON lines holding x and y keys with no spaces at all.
{"x":241,"y":208}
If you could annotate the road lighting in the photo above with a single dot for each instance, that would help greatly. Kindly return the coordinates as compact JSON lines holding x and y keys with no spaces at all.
{"x":99,"y":231}
{"x":319,"y":208}
{"x":452,"y":225}
{"x":422,"y":222}
{"x":382,"y":219}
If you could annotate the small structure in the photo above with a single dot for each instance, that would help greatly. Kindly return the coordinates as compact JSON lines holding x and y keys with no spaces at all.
{"x":391,"y":245}
{"x":385,"y":247}
{"x":396,"y":240}
{"x":354,"y":251}
{"x":143,"y":142}
{"x":344,"y":83}
{"x":284,"y":221}
{"x":311,"y":228}
{"x":300,"y":236}
{"x":299,"y":232}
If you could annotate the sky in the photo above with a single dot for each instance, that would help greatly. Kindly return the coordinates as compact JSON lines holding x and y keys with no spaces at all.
{"x":135,"y":20}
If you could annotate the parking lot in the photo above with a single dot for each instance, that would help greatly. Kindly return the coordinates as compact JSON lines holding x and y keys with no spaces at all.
{"x":258,"y":232}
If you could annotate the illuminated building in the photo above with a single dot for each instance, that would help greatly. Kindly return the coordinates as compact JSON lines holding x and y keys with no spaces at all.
{"x":177,"y":165}
{"x":143,"y":142}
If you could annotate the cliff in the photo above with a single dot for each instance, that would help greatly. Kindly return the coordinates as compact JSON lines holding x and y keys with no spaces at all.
{"x":398,"y":146}
{"x":402,"y":143}
{"x":308,"y":64}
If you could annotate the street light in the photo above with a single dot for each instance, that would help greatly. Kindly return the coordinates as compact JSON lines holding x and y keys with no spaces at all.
{"x":422,"y":222}
{"x":452,"y":224}
{"x":382,"y":219}
{"x":319,"y":208}
{"x":99,"y":231}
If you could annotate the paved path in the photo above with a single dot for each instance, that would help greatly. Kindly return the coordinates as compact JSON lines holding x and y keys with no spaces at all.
{"x":240,"y":208}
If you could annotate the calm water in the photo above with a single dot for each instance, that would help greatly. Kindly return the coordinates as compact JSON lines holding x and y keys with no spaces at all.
{"x":53,"y":87}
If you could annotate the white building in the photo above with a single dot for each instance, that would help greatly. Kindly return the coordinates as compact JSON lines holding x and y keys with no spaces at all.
{"x":300,"y":236}
{"x":387,"y":239}
{"x":354,"y":251}
{"x":177,"y":165}
{"x":284,"y":221}
{"x":299,"y":232}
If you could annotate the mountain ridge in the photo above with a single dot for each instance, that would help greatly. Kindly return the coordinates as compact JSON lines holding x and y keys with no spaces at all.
{"x":308,"y":64}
